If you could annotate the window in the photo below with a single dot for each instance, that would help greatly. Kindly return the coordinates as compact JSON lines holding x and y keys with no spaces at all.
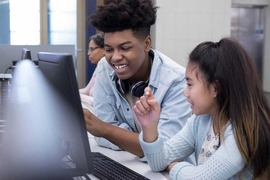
{"x":24,"y":22}
{"x":62,"y":21}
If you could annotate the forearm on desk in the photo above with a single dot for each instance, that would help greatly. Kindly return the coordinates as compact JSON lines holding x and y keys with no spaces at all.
{"x":124,"y":139}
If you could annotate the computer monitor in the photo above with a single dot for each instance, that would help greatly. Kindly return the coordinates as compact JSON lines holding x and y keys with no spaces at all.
{"x":26,"y":54}
{"x":46,"y":137}
{"x":59,"y":70}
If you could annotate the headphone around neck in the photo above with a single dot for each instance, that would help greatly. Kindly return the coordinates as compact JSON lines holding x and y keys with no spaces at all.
{"x":137,"y":89}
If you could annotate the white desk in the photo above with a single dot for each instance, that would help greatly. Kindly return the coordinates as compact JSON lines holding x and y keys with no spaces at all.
{"x":127,"y":159}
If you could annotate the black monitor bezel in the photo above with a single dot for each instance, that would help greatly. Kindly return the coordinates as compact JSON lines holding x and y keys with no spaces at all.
{"x":66,"y":60}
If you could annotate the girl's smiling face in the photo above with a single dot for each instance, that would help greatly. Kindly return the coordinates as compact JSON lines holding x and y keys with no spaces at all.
{"x":200,"y":94}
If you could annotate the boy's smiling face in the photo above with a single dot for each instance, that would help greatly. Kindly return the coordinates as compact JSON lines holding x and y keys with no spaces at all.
{"x":127,"y":54}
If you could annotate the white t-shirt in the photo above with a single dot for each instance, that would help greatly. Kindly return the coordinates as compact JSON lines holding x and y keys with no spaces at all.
{"x":210,"y":145}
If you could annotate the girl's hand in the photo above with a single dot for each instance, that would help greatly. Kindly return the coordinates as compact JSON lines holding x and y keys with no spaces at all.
{"x":147,"y":111}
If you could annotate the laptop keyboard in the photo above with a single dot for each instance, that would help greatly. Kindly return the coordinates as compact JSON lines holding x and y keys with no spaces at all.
{"x":106,"y":168}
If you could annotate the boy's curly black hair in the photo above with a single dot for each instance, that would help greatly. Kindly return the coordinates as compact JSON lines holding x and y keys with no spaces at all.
{"x":119,"y":15}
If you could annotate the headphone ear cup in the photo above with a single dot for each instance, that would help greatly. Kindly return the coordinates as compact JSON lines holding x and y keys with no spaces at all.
{"x":138,"y":88}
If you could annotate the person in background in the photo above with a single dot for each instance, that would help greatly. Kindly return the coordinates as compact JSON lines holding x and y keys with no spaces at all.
{"x":95,"y":53}
{"x":130,"y":65}
{"x":230,"y":129}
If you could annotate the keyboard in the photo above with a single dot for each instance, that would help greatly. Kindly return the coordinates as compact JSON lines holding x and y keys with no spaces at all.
{"x":106,"y":168}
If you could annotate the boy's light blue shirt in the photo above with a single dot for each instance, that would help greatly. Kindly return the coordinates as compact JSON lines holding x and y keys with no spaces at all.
{"x":167,"y":80}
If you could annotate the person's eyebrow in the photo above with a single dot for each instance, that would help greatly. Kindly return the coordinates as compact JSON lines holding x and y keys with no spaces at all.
{"x":122,"y":44}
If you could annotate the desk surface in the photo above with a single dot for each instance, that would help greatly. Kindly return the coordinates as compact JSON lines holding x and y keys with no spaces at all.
{"x":127,"y":159}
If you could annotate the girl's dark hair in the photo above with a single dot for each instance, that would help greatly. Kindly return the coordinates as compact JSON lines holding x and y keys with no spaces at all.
{"x":240,"y":99}
{"x":98,"y":39}
{"x":119,"y":15}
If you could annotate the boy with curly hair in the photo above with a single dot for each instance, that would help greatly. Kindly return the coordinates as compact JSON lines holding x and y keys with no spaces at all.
{"x":130,"y":65}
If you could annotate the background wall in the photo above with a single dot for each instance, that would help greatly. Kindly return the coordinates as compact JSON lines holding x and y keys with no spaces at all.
{"x":181,"y":25}
{"x":266,"y":63}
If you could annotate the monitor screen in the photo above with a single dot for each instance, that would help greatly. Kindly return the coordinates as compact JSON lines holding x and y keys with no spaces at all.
{"x":46,"y":135}
{"x":26,"y":54}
